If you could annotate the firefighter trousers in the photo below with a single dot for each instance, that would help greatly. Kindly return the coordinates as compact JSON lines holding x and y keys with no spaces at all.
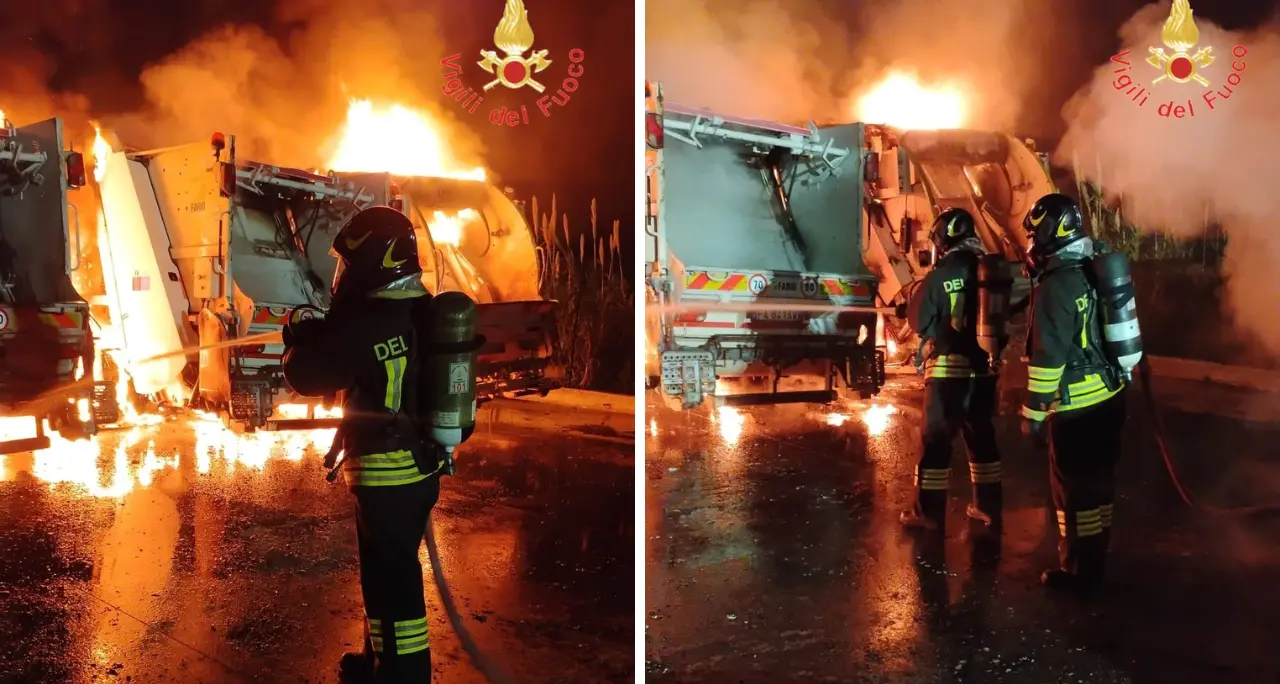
{"x":1084,"y":449}
{"x":966,"y":406}
{"x":390,"y":522}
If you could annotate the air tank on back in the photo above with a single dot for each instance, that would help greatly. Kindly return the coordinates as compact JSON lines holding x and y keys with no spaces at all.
{"x":449,"y":362}
{"x":1116,"y":297}
{"x":995,"y":287}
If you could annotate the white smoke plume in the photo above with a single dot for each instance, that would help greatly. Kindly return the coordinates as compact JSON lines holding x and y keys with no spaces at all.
{"x":1224,"y":159}
{"x":792,"y":61}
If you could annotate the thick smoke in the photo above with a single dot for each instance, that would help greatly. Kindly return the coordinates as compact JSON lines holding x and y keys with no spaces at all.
{"x":1171,"y":173}
{"x":286,"y":100}
{"x":794,"y":61}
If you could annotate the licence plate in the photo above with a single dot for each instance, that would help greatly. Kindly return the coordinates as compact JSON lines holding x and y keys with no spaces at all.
{"x":777,"y":316}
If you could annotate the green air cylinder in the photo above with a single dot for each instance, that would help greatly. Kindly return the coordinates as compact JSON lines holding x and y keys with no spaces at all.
{"x":449,"y":362}
{"x":995,"y":287}
{"x":1120,"y":332}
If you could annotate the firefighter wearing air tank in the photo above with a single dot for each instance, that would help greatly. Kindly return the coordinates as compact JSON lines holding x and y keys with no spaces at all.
{"x":381,"y":346}
{"x":1076,"y":379}
{"x":960,"y":375}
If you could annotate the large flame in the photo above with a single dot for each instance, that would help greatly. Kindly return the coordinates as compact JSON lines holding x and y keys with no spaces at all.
{"x":101,"y":150}
{"x":397,"y":140}
{"x":902,"y":101}
{"x":447,"y":228}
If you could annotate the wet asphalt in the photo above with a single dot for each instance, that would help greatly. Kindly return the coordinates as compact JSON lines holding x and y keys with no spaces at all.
{"x":191,"y":566}
{"x":773,"y":553}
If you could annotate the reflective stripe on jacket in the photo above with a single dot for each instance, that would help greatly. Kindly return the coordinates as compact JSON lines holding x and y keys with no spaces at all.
{"x":1068,"y":370}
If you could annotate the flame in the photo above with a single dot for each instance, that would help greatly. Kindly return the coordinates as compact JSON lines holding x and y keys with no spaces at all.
{"x":398,"y":140}
{"x":836,"y":419}
{"x":876,"y":418}
{"x":514,"y":35}
{"x":1,"y":117}
{"x":447,"y":228}
{"x":101,"y":150}
{"x":900,"y":100}
{"x":731,"y":423}
{"x":891,"y":346}
{"x":653,"y":427}
{"x":1180,"y":33}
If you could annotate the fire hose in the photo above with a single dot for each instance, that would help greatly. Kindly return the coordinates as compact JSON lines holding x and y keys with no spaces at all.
{"x":491,"y":672}
{"x":1158,"y":431}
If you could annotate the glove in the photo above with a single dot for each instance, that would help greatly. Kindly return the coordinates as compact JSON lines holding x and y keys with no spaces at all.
{"x":900,"y":310}
{"x":1036,"y":430}
{"x":301,"y":331}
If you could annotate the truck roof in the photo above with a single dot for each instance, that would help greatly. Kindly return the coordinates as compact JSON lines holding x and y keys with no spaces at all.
{"x":738,"y":120}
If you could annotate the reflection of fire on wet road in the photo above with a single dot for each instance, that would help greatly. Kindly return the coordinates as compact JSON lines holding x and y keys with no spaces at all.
{"x":730,"y":421}
{"x":876,"y":417}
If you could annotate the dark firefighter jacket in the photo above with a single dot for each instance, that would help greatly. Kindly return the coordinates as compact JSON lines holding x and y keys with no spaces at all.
{"x":367,"y":351}
{"x":944,"y":313}
{"x":1067,"y":370}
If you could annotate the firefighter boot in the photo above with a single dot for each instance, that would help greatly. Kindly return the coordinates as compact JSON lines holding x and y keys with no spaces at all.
{"x":929,"y":513}
{"x":988,"y":505}
{"x":355,"y":668}
{"x":1089,"y":556}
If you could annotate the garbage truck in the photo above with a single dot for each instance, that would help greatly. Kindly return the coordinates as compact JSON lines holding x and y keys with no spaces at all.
{"x":745,"y":215}
{"x":757,"y":287}
{"x":47,"y":351}
{"x":202,"y":249}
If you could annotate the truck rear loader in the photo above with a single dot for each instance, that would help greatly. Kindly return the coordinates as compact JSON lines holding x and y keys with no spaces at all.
{"x":201,"y":249}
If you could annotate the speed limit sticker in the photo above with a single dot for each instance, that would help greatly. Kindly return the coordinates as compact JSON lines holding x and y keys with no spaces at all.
{"x":757,"y":284}
{"x":809,"y":287}
{"x":4,"y":319}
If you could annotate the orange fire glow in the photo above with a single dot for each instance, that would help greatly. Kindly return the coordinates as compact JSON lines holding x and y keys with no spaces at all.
{"x":876,"y":418}
{"x":902,"y":101}
{"x":731,"y":422}
{"x":101,"y":150}
{"x":398,"y":140}
{"x":447,"y":228}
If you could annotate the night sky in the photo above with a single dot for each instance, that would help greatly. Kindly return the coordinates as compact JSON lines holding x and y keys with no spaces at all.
{"x":89,"y":54}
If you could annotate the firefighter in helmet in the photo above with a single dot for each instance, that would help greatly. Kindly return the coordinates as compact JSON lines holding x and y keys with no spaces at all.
{"x":960,"y":380}
{"x":365,"y":348}
{"x":1075,"y":395}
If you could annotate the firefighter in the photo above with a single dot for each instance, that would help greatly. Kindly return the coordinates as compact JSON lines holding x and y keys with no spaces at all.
{"x":365,"y":348}
{"x":960,"y":382}
{"x":1075,"y":395}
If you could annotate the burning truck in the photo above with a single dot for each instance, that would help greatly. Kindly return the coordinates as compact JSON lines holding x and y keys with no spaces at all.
{"x":777,"y":252}
{"x":205,"y":256}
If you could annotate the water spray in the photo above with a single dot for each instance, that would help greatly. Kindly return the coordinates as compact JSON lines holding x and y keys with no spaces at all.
{"x":260,"y":338}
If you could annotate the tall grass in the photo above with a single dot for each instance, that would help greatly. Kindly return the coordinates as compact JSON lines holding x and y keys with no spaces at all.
{"x":1139,"y":244}
{"x":595,"y":320}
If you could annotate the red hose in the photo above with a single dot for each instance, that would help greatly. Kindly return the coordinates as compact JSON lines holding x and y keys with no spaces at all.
{"x":1157,"y":422}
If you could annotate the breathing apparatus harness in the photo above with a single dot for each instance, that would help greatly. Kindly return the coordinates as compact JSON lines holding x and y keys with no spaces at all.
{"x":1120,"y":295}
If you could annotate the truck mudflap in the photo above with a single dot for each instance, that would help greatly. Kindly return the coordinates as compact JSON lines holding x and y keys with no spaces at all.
{"x":517,"y":351}
{"x":40,"y":349}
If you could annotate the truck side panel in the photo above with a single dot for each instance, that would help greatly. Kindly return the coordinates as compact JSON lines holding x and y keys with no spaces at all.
{"x":141,"y":278}
{"x":719,"y":210}
{"x":829,"y":214}
{"x":33,"y":223}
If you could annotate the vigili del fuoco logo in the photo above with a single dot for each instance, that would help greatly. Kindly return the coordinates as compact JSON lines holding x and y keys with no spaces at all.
{"x":1179,"y":66}
{"x":514,"y":70}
